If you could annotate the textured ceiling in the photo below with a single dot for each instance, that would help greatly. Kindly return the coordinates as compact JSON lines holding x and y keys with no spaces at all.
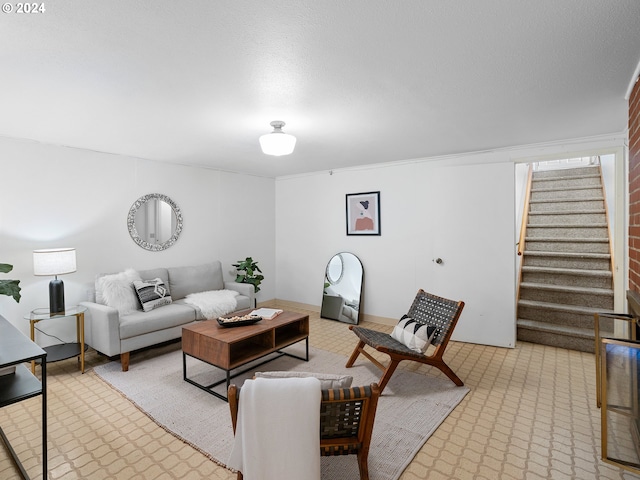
{"x":357,"y":82}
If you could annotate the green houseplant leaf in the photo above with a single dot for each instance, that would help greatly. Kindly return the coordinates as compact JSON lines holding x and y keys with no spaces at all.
{"x":247,"y":269}
{"x":11,"y":288}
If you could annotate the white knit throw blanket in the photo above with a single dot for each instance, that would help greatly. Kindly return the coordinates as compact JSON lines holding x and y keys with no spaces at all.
{"x":214,"y":303}
{"x":277,"y":433}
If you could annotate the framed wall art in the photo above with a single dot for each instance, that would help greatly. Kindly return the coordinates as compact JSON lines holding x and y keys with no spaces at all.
{"x":363,"y":213}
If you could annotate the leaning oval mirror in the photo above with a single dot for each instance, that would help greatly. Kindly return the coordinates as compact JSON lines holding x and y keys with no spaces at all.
{"x":154,"y":222}
{"x":342,"y":294}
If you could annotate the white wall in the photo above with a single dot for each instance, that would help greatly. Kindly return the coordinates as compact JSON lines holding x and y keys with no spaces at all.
{"x":474,"y":195}
{"x":53,"y":196}
{"x":428,"y":210}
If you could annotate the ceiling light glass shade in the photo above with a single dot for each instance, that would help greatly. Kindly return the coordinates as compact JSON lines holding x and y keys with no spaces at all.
{"x":54,"y":261}
{"x":277,"y":143}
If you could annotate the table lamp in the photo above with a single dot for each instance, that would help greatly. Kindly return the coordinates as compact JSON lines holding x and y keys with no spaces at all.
{"x":55,"y":261}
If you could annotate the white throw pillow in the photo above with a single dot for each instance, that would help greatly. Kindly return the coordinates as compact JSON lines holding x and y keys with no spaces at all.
{"x":117,"y":290}
{"x":414,"y":335}
{"x":327,"y":380}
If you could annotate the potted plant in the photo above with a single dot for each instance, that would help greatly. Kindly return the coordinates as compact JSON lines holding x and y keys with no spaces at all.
{"x":247,"y":269}
{"x":11,"y":288}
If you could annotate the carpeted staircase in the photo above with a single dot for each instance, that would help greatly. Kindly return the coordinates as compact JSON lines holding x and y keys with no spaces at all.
{"x":566,"y":267}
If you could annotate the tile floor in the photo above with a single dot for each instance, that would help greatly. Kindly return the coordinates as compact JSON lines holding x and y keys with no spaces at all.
{"x":531,"y":414}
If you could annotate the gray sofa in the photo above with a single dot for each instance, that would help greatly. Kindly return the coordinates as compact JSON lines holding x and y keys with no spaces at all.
{"x":111,"y":333}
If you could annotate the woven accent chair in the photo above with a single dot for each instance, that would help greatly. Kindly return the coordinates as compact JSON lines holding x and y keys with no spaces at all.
{"x":427,"y":309}
{"x":346,"y":421}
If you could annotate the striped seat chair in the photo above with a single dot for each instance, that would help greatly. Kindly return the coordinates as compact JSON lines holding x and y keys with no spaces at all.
{"x":427,"y":309}
{"x":346,"y":421}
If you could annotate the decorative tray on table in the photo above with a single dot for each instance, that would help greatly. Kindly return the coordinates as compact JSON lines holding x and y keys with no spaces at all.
{"x":238,"y":321}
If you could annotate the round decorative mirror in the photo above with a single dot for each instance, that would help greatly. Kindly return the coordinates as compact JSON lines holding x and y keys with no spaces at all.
{"x":335,"y":269}
{"x":154,"y":222}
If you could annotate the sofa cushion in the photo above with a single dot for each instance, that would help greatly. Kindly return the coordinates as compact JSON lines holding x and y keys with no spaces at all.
{"x":161,"y":273}
{"x":202,"y":278}
{"x":243,"y":302}
{"x":139,"y":322}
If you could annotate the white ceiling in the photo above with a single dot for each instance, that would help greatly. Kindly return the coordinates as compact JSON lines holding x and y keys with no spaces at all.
{"x":357,"y":81}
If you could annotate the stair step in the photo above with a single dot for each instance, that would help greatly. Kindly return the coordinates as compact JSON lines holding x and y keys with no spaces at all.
{"x":572,"y":260}
{"x":569,"y":239}
{"x":565,"y":192}
{"x":573,"y":245}
{"x":597,"y":198}
{"x":569,"y":205}
{"x":568,"y":173}
{"x":568,"y":289}
{"x":572,"y":176}
{"x":567,"y":277}
{"x":576,"y":219}
{"x":569,"y":271}
{"x":569,"y":212}
{"x":570,"y":225}
{"x":571,"y":170}
{"x":564,"y":189}
{"x":547,"y":327}
{"x":571,"y":338}
{"x":558,"y":314}
{"x":566,"y":182}
{"x":547,"y":230}
{"x":535,"y":244}
{"x":569,"y":295}
{"x":578,"y":255}
{"x":557,"y":307}
{"x":566,"y":205}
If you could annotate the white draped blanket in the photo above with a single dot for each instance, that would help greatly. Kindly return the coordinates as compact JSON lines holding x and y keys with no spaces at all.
{"x":214,"y":303}
{"x":277,"y":435}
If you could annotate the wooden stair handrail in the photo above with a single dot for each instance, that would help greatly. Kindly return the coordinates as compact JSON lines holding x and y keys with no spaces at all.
{"x":525,"y":211}
{"x":523,"y":232}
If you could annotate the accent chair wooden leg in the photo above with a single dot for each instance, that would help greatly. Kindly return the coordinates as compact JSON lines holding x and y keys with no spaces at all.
{"x":444,"y":368}
{"x":362,"y":465}
{"x":386,"y":376}
{"x":355,"y":354}
{"x":124,"y":360}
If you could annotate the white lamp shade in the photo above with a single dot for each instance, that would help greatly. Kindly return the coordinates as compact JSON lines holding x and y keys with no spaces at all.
{"x":277,"y":143}
{"x":54,"y":261}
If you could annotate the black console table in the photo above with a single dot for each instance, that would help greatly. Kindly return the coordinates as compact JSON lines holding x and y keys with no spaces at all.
{"x":15,"y":350}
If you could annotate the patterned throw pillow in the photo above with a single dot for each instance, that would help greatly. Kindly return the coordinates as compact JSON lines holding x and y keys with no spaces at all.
{"x":413,"y":334}
{"x":152,"y":293}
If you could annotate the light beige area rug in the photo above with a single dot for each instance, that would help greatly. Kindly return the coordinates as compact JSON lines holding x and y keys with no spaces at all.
{"x":409,"y":411}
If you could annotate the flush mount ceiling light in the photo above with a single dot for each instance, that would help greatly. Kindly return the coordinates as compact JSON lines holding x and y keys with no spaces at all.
{"x":277,"y":143}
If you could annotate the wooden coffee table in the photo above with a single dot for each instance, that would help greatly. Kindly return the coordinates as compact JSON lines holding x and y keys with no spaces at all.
{"x":229,"y":348}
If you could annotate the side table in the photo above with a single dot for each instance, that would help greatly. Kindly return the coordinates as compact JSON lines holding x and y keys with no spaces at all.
{"x":15,"y":349}
{"x":60,"y":351}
